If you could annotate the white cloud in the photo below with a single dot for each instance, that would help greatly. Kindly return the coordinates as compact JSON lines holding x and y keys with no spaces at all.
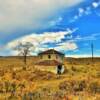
{"x":56,"y":21}
{"x":30,"y":14}
{"x":88,"y":10}
{"x":85,"y":11}
{"x":39,"y":40}
{"x":36,"y":39}
{"x":81,"y":11}
{"x":93,"y":36}
{"x":65,"y":46}
{"x":95,"y":4}
{"x":79,"y":56}
{"x":82,"y":55}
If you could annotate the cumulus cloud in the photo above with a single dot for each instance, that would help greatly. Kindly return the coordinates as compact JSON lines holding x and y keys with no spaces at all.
{"x":46,"y":37}
{"x":95,"y":4}
{"x":41,"y":41}
{"x":30,"y":14}
{"x":38,"y":40}
{"x":65,"y":46}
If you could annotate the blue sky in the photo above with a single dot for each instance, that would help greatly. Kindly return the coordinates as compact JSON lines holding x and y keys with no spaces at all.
{"x":65,"y":25}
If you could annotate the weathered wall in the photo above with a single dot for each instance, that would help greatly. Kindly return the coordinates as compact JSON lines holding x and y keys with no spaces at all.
{"x":53,"y":57}
{"x":49,"y":68}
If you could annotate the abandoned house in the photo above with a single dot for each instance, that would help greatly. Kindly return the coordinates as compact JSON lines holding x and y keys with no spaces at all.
{"x":49,"y":60}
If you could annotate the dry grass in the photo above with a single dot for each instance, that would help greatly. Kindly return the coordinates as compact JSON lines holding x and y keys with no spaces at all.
{"x":19,"y":82}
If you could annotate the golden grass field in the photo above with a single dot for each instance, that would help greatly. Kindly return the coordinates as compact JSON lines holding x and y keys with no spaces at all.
{"x":80,"y":81}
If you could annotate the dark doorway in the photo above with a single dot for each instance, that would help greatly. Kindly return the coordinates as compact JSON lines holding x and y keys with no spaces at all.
{"x":49,"y":56}
{"x":59,"y":68}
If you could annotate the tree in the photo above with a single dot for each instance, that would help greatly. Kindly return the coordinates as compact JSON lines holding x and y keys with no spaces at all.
{"x":24,"y":50}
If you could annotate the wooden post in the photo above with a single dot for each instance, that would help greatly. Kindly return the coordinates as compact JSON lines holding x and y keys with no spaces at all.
{"x":92,"y":49}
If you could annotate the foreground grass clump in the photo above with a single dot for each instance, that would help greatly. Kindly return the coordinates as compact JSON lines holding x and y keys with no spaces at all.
{"x":94,"y":87}
{"x":73,"y":86}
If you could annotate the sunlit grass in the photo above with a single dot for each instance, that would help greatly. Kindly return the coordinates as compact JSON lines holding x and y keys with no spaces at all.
{"x":44,"y":85}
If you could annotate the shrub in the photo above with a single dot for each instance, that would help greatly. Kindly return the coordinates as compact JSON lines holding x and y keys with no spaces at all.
{"x":27,"y":96}
{"x":98,"y":74}
{"x":12,"y":98}
{"x":1,"y":88}
{"x":65,"y":86}
{"x":1,"y":72}
{"x":58,"y":95}
{"x":79,"y":86}
{"x":94,"y":87}
{"x":73,"y":68}
{"x":36,"y":95}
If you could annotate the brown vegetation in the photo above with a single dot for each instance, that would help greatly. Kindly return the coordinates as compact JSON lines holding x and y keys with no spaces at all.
{"x":81,"y":79}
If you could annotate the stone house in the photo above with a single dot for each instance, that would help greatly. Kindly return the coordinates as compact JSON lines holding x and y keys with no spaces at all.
{"x":49,"y":60}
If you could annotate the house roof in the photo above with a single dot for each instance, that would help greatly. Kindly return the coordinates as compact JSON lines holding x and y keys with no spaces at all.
{"x":51,"y":51}
{"x":49,"y":63}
